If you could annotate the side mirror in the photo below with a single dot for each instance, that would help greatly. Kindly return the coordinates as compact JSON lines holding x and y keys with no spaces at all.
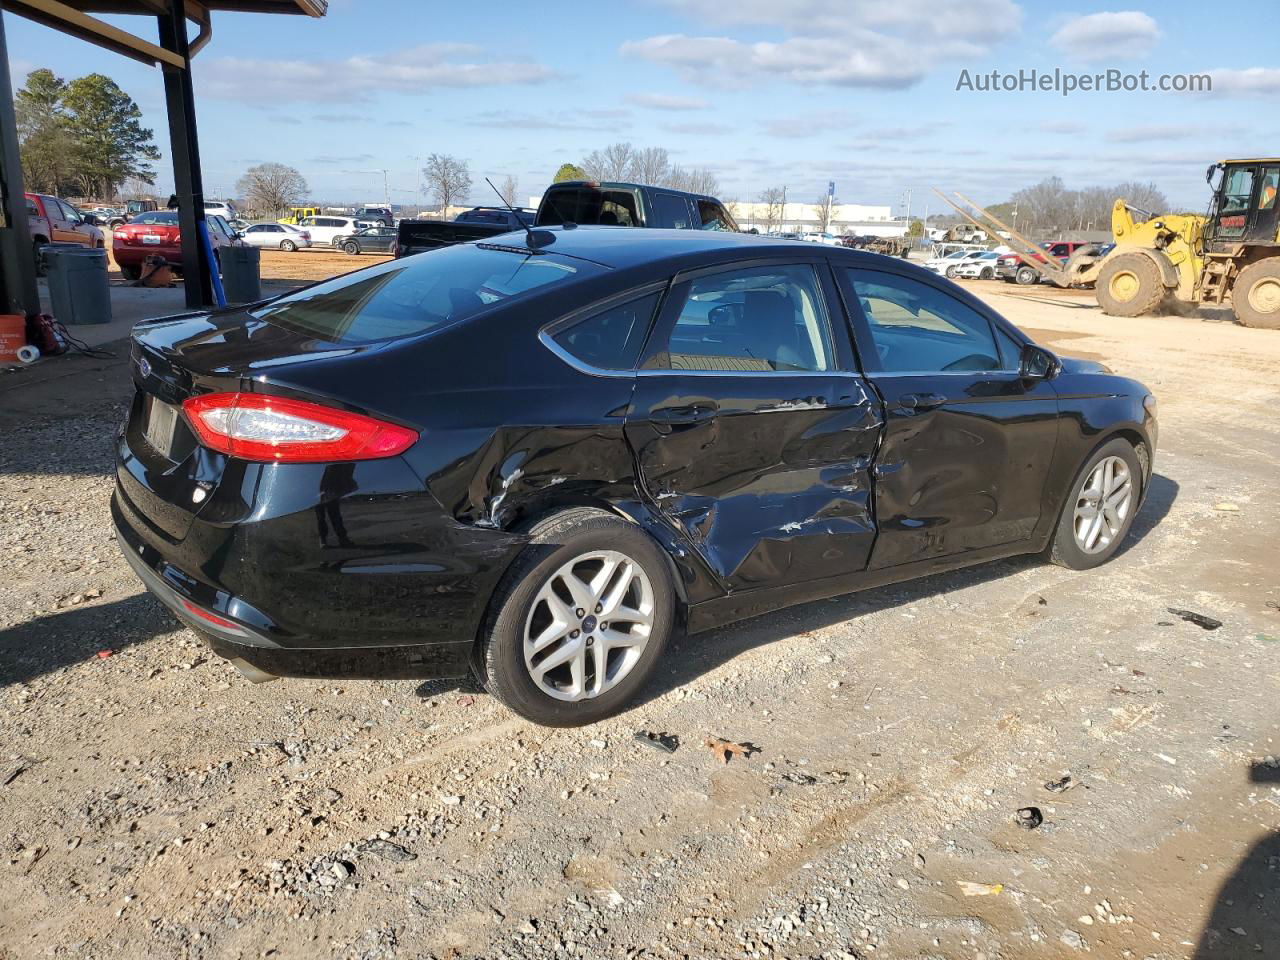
{"x":1037,"y":363}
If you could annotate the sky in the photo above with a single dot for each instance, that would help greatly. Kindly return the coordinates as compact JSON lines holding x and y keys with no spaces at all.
{"x":764,"y":93}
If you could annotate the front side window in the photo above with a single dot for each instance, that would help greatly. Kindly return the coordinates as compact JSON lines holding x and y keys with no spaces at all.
{"x":419,"y":294}
{"x":757,"y":320}
{"x":714,"y":216}
{"x":610,"y":340}
{"x":917,"y":328}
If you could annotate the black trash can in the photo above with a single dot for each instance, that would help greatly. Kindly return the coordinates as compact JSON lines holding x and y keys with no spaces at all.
{"x":241,"y":273}
{"x":78,"y":287}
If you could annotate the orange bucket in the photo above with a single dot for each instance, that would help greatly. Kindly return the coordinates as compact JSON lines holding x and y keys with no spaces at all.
{"x":13,"y":336}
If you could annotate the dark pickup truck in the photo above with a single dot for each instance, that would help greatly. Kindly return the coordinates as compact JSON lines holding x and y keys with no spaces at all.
{"x":574,"y":201}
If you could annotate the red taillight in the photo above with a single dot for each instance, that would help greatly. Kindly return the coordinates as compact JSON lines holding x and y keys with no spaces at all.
{"x":253,"y":426}
{"x":213,"y":618}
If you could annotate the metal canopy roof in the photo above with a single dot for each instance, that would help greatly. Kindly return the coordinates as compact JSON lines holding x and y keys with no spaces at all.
{"x":75,"y":18}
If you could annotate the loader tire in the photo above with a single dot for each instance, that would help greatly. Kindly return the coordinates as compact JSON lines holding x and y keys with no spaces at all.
{"x":1256,"y":294}
{"x":1129,"y":286}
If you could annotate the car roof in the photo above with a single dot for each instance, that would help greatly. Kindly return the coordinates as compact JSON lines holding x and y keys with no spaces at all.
{"x":637,"y":247}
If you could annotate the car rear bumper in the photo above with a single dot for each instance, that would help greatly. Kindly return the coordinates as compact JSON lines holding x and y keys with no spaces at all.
{"x":135,"y":256}
{"x":282,"y":571}
{"x":257,"y":645}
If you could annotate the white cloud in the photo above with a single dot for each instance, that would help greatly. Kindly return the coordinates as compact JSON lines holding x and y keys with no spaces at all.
{"x":698,"y":129}
{"x":595,"y":120}
{"x":1147,"y":134}
{"x":1122,"y":35}
{"x":845,"y":43}
{"x":1249,"y":82}
{"x":885,"y":63}
{"x":1062,"y":126}
{"x":357,"y":78}
{"x":666,"y":101}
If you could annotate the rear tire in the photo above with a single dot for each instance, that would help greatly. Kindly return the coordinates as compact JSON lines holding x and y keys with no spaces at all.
{"x":576,"y":540}
{"x":288,"y":246}
{"x":1256,"y":294}
{"x":37,"y":251}
{"x":131,"y":273}
{"x":951,"y":273}
{"x":1129,"y":286}
{"x":1084,"y":539}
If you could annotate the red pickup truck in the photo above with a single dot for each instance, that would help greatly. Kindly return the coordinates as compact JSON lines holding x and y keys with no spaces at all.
{"x":55,"y":221}
{"x":1013,"y":268}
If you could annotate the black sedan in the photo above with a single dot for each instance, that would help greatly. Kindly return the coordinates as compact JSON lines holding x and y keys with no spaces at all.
{"x":369,"y":240}
{"x":532,"y":458}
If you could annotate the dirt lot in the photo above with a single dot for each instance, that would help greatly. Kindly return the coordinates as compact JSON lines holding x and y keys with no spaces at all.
{"x":153,"y":804}
{"x":301,"y":266}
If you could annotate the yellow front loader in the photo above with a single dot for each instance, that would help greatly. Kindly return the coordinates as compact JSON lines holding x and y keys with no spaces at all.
{"x":1231,"y":255}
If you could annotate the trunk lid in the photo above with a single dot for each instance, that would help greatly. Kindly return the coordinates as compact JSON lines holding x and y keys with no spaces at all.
{"x":164,"y":473}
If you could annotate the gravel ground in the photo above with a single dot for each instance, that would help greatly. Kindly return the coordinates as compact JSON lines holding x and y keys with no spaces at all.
{"x":153,"y":804}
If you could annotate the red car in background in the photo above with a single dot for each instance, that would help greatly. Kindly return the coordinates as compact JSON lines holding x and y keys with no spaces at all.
{"x":1013,"y":267}
{"x":157,"y":233}
{"x":55,"y":221}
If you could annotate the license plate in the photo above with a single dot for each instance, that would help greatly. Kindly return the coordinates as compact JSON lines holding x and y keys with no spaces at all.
{"x":161,"y":419}
{"x":151,"y":238}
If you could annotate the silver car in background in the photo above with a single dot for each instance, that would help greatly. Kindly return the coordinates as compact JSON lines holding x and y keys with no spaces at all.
{"x":276,"y":236}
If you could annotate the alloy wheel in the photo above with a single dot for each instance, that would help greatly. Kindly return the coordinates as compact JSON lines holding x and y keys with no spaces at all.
{"x":588,"y":625}
{"x":1103,"y":505}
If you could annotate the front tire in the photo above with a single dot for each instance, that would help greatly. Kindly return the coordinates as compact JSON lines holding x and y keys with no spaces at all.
{"x":988,"y":273}
{"x":1256,"y":294}
{"x":579,"y":622}
{"x":1099,"y":511}
{"x":1026,"y":276}
{"x":1129,"y":286}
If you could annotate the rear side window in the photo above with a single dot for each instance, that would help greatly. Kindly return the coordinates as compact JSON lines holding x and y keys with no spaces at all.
{"x":416,"y":295}
{"x":670,"y":210}
{"x":610,"y":340}
{"x":755,"y":320}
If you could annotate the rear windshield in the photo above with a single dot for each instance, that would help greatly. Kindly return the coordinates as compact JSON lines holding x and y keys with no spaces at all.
{"x":589,"y":206}
{"x":159,"y":216}
{"x":419,"y":294}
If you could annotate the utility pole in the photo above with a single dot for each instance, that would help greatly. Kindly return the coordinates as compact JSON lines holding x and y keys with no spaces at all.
{"x":386,"y":189}
{"x":782,"y":227}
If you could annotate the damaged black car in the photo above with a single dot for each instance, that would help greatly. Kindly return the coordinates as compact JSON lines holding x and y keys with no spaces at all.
{"x":536,"y":458}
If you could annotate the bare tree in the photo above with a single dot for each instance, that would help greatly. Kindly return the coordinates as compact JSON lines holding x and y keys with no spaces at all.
{"x":695,"y":180}
{"x":651,"y":166}
{"x":510,"y":189}
{"x":448,"y":179}
{"x":772,"y":199}
{"x":614,"y":162}
{"x":271,"y":187}
{"x":1144,"y":196}
{"x":824,"y":210}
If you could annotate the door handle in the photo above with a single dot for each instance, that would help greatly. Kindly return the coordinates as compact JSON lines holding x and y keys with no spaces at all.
{"x":690,"y":413}
{"x":920,"y":402}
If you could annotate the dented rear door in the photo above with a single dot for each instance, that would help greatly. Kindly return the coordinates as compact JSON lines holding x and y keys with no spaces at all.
{"x":752,"y":433}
